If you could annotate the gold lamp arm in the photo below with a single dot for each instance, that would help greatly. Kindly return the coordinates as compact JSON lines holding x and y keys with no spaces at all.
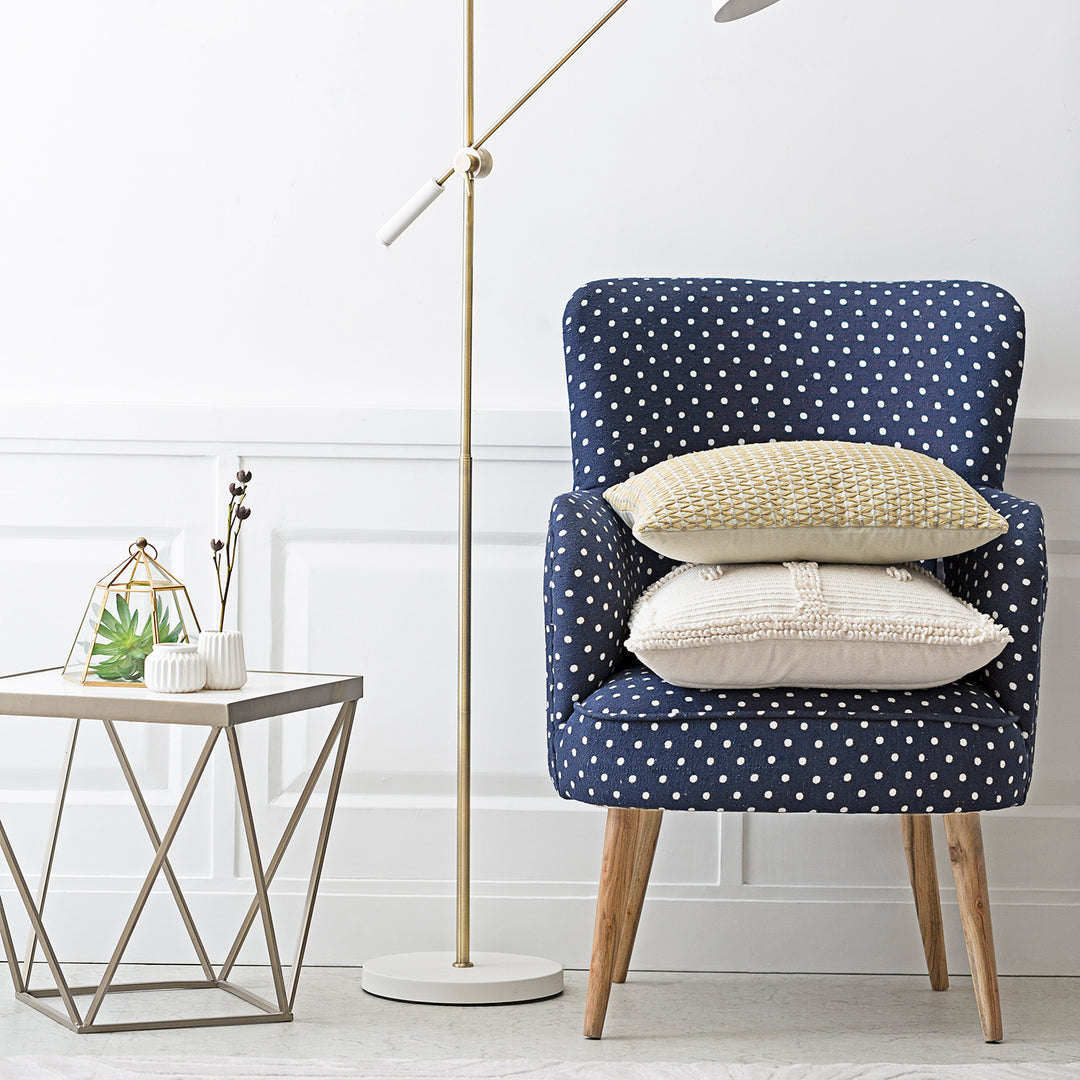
{"x":471,"y":160}
{"x":539,"y":83}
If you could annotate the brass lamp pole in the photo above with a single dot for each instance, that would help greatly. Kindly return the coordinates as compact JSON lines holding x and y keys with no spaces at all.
{"x":462,"y":977}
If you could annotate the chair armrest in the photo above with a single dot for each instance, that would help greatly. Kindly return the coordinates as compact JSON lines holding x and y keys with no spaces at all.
{"x":1006,"y":579}
{"x":594,"y":572}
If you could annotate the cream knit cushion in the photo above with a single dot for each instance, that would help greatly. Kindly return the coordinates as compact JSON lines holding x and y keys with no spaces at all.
{"x":830,"y":501}
{"x":803,"y":624}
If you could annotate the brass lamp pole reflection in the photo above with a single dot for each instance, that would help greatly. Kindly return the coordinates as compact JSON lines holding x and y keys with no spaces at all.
{"x":462,"y":977}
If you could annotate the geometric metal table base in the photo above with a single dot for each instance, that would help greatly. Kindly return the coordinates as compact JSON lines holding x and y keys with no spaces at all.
{"x":268,"y":1012}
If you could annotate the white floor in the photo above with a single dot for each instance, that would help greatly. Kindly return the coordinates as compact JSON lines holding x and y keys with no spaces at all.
{"x":654,"y":1017}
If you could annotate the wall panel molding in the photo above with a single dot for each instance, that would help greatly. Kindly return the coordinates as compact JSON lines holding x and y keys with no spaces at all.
{"x":349,"y":565}
{"x":517,"y":431}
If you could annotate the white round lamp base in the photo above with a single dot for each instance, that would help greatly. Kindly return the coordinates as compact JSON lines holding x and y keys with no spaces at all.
{"x":431,"y":978}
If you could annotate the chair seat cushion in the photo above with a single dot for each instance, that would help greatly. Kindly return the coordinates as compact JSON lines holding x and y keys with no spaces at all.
{"x":639,"y":741}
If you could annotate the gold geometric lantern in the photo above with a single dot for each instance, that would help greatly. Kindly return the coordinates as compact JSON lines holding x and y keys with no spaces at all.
{"x":132,"y":608}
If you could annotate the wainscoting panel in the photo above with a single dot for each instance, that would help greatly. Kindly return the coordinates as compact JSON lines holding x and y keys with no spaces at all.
{"x":348,"y":565}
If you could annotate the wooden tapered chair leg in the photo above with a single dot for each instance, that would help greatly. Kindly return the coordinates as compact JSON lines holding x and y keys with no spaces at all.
{"x":648,"y":832}
{"x":616,"y":870}
{"x":964,"y":833}
{"x":922,"y":870}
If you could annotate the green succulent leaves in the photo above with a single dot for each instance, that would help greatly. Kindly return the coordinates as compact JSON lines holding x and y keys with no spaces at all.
{"x":124,"y":647}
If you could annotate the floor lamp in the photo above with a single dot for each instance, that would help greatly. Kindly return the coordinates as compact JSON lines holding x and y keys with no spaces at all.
{"x":463,"y":977}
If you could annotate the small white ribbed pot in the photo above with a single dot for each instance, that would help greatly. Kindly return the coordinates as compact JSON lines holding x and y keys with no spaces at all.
{"x":174,"y":669}
{"x":223,"y":651}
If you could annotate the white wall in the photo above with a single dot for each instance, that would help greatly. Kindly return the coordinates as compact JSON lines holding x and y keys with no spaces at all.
{"x":189,"y":190}
{"x":187,"y":200}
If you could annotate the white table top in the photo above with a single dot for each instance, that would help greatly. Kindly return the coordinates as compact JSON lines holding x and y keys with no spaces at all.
{"x":266,"y":693}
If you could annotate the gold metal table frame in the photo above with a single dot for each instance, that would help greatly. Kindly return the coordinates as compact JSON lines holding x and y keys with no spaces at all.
{"x":266,"y":694}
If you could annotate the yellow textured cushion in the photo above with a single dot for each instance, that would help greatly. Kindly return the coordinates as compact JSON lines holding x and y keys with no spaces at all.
{"x":825,"y":501}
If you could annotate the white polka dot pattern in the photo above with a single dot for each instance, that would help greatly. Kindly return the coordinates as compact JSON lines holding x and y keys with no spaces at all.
{"x":660,"y":367}
{"x":619,"y":735}
{"x":1007,"y":581}
{"x":639,"y":694}
{"x":783,"y":764}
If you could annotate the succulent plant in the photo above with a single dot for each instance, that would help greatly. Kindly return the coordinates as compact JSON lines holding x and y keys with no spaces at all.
{"x":124,"y":645}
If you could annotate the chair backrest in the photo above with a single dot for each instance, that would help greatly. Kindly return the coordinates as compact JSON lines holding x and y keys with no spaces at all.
{"x":658,"y":367}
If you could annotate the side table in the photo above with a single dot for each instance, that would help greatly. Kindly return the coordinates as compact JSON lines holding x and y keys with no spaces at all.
{"x":267,"y":694}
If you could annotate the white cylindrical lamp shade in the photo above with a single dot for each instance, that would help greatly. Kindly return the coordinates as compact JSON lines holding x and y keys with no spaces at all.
{"x":730,"y":10}
{"x":410,"y":212}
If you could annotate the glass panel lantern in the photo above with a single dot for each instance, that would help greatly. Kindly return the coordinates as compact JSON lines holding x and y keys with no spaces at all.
{"x":133,"y":608}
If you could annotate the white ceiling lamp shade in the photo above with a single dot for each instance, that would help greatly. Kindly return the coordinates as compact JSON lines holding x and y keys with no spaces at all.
{"x":737,"y":9}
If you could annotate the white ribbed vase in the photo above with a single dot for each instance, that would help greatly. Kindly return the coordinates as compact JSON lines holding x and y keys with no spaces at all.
{"x":223,"y":651}
{"x":174,"y":669}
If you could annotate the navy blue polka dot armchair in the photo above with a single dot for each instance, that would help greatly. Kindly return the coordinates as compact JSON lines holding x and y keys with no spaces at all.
{"x":662,"y":367}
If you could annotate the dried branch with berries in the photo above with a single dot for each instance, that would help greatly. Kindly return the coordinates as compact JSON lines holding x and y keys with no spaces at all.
{"x":236,"y":514}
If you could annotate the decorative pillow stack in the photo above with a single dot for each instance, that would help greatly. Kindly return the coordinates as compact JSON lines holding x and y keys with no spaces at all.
{"x":859,"y":623}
